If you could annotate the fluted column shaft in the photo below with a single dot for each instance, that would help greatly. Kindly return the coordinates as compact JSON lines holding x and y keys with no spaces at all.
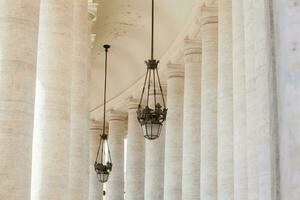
{"x":79,"y":152}
{"x":95,"y":187}
{"x":116,"y":133}
{"x":209,"y":141}
{"x":18,"y":44}
{"x":225,"y":102}
{"x":154,"y":161}
{"x":174,"y":128}
{"x":135,"y":163}
{"x":52,"y":109}
{"x":191,"y":121}
{"x":239,"y":103}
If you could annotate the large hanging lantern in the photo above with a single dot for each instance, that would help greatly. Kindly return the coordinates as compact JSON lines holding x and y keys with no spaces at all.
{"x":153,"y":114}
{"x":103,"y":163}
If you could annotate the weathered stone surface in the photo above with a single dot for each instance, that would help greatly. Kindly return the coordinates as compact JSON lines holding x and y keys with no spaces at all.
{"x":239,"y":103}
{"x":225,"y":102}
{"x":52,"y":107}
{"x":135,"y":163}
{"x":18,"y":44}
{"x":116,"y":134}
{"x":79,"y":150}
{"x":191,"y":121}
{"x":209,"y":83}
{"x":174,"y":133}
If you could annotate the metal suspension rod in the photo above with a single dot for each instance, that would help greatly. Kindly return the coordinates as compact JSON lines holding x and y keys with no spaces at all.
{"x":106,"y":47}
{"x":152,"y":31}
{"x":161,"y":90}
{"x":105,"y":85}
{"x":143,"y":91}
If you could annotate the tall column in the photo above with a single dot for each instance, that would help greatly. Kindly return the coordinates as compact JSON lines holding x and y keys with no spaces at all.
{"x":239,"y":103}
{"x":18,"y":44}
{"x":261,"y":100}
{"x":191,"y":121}
{"x":116,"y":133}
{"x":225,"y":102}
{"x":174,"y":128}
{"x":287,"y":19}
{"x":95,"y":187}
{"x":79,"y":152}
{"x":135,"y":163}
{"x":252,"y":134}
{"x":154,"y":162}
{"x":52,"y":108}
{"x":209,"y":141}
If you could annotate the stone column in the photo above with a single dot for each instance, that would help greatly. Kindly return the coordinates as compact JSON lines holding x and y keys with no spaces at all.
{"x":116,"y":133}
{"x":225,"y":102}
{"x":79,"y":150}
{"x":135,"y":163}
{"x":95,"y":187}
{"x":191,"y":121}
{"x":18,"y":44}
{"x":287,"y":19}
{"x":209,"y":141}
{"x":251,"y":112}
{"x":154,"y":162}
{"x":174,"y":129}
{"x":52,"y":108}
{"x":239,"y":103}
{"x":261,"y":100}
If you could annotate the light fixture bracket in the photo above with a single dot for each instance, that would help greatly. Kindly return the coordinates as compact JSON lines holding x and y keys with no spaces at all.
{"x":152,"y":64}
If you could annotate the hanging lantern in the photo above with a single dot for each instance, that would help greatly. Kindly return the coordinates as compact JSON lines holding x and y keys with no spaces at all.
{"x":104,"y":167}
{"x":103,"y":163}
{"x":152,"y":116}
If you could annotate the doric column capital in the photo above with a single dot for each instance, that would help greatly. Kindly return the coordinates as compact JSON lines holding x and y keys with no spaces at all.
{"x":175,"y":70}
{"x":192,"y":47}
{"x":114,"y":115}
{"x":208,"y":15}
{"x":132,"y":104}
{"x":192,"y":51}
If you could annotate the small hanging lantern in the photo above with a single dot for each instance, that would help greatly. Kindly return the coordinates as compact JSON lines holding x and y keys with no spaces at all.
{"x":151,"y":119}
{"x":103,"y":163}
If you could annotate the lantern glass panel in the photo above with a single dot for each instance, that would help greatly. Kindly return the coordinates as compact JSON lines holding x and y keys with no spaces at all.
{"x":151,"y":130}
{"x":103,"y":176}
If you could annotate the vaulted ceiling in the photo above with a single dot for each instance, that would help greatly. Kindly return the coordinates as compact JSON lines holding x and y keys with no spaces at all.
{"x":125,"y":25}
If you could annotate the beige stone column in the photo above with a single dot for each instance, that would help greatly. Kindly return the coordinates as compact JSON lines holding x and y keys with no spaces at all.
{"x":52,"y":108}
{"x":116,"y":134}
{"x":95,"y":187}
{"x":18,"y":44}
{"x":209,"y":141}
{"x":251,"y":112}
{"x":261,"y":100}
{"x":225,"y":102}
{"x":154,"y":161}
{"x":174,"y":129}
{"x":135,"y":163}
{"x":79,"y":150}
{"x":287,"y":19}
{"x":191,"y":121}
{"x":239,"y":103}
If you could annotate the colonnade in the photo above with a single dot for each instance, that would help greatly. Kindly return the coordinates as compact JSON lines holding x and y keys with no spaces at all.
{"x":231,"y":132}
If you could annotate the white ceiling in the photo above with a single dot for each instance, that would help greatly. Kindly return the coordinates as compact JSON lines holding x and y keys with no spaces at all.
{"x":125,"y":25}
